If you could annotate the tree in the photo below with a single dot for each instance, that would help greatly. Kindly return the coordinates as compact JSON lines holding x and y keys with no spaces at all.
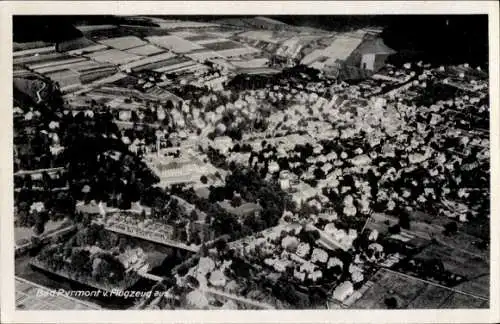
{"x":204,"y":179}
{"x":391,"y":303}
{"x":404,"y":220}
{"x":236,"y":201}
{"x":450,"y":228}
{"x":396,"y":229}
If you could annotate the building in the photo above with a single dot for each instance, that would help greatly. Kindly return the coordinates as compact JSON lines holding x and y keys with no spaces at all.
{"x":343,"y":291}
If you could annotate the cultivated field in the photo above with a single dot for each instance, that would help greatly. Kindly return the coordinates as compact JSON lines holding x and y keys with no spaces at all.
{"x":220,"y":45}
{"x":122,"y":43}
{"x":412,"y":293}
{"x":113,"y":56}
{"x":145,"y":50}
{"x":174,"y":43}
{"x":148,"y":60}
{"x":455,"y":260}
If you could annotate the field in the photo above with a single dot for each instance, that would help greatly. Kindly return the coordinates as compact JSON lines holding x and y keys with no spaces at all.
{"x":174,"y":43}
{"x":33,"y":51}
{"x":124,"y":42}
{"x":197,"y":38}
{"x":145,"y":50}
{"x":113,"y":56}
{"x":412,"y":293}
{"x":172,"y":67}
{"x":455,"y":260}
{"x":237,"y":51}
{"x":267,"y":36}
{"x":48,"y":65}
{"x":202,"y":56}
{"x":221,"y":45}
{"x":174,"y":24}
{"x":39,"y":58}
{"x":88,"y":49}
{"x":148,"y":60}
{"x":16,"y":46}
{"x":254,"y":63}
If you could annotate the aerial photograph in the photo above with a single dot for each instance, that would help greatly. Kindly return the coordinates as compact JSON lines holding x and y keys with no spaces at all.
{"x":251,"y":162}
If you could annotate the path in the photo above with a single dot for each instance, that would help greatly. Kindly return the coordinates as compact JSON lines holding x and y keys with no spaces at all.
{"x":39,"y":97}
{"x":236,"y":298}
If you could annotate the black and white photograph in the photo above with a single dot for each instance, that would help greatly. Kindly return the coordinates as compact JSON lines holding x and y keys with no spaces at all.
{"x":250,"y":161}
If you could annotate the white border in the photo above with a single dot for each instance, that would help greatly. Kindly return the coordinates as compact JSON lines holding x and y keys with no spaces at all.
{"x":8,"y":313}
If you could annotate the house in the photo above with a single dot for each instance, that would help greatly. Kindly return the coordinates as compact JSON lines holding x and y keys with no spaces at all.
{"x":290,"y":242}
{"x":316,"y":275}
{"x":333,"y":262}
{"x":217,"y":278}
{"x":319,"y":255}
{"x":307,"y":267}
{"x":299,"y":275}
{"x":373,"y":235}
{"x":303,"y":249}
{"x":343,"y":291}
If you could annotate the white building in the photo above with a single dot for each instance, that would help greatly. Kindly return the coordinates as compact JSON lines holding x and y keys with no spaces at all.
{"x":343,"y":291}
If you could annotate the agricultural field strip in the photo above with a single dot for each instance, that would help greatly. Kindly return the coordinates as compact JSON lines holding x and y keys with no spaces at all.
{"x":436,"y":284}
{"x":238,"y":51}
{"x":189,"y":68}
{"x":33,"y":51}
{"x":123,"y":43}
{"x":145,"y":50}
{"x":92,"y":48}
{"x":81,"y":65}
{"x":39,"y":58}
{"x":37,"y":66}
{"x":174,"y":43}
{"x":209,"y":54}
{"x":211,"y":40}
{"x":148,"y":60}
{"x":113,"y":56}
{"x":175,"y":66}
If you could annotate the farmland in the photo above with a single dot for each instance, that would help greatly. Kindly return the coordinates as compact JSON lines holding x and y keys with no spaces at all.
{"x":148,"y":60}
{"x":145,"y":50}
{"x":113,"y":56}
{"x":221,"y":45}
{"x":411,"y":292}
{"x":123,"y":43}
{"x":174,"y":43}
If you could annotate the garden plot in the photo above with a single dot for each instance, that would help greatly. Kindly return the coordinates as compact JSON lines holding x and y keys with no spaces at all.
{"x":122,"y":43}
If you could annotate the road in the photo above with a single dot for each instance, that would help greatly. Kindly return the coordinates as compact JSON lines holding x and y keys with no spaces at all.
{"x":39,"y":97}
{"x":239,"y":299}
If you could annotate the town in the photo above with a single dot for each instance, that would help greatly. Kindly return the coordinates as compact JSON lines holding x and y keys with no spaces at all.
{"x":247,"y":164}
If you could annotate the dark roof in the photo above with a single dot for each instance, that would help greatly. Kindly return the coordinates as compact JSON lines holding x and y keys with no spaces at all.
{"x":375,"y":46}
